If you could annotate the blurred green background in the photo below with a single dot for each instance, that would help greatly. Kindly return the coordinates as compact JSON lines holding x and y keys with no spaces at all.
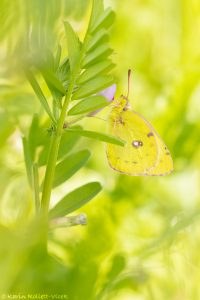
{"x":143,"y":234}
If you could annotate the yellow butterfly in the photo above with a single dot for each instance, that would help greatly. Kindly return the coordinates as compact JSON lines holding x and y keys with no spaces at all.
{"x":144,"y":153}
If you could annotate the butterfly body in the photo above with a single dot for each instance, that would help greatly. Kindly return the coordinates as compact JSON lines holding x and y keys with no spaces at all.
{"x":144,"y":153}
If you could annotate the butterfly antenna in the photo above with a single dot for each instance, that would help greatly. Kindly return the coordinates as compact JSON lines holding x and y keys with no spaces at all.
{"x":129,"y":78}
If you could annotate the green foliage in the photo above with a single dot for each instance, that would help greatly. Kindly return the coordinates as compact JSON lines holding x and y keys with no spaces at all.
{"x":69,"y":166}
{"x":73,"y":47}
{"x":75,"y":199}
{"x":39,"y":93}
{"x":27,"y":159}
{"x":72,"y":78}
{"x":53,"y":82}
{"x":88,"y":105}
{"x":97,"y":69}
{"x":97,"y":136}
{"x":67,"y":143}
{"x":47,"y":147}
{"x":101,"y":52}
{"x":100,"y":37}
{"x":93,"y":86}
{"x":104,"y":20}
{"x":97,"y":11}
{"x":36,"y":187}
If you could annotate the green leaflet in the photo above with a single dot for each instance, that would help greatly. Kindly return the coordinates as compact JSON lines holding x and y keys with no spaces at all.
{"x":50,"y":77}
{"x":69,"y":166}
{"x":63,"y":71}
{"x":36,"y":189}
{"x":28,"y":160}
{"x":98,"y":136}
{"x":88,"y":105}
{"x":97,"y":69}
{"x":56,"y":88}
{"x":33,"y":82}
{"x":57,"y":58}
{"x":105,"y":20}
{"x":75,"y":199}
{"x":99,"y":36}
{"x":73,"y":45}
{"x":93,"y":86}
{"x":97,"y":10}
{"x":101,"y":52}
{"x":34,"y":136}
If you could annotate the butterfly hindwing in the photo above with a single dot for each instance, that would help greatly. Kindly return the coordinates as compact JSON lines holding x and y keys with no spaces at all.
{"x":164,"y":164}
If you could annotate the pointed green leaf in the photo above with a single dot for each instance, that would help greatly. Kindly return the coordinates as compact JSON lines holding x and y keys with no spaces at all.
{"x":28,"y":160}
{"x":50,"y":77}
{"x":57,"y":58}
{"x":73,"y":46}
{"x":99,"y":36}
{"x":69,"y":166}
{"x":88,"y":105}
{"x":33,"y":135}
{"x":99,"y":53}
{"x":57,"y":97}
{"x":101,"y":67}
{"x":97,"y":10}
{"x":36,"y":189}
{"x":75,"y":199}
{"x":40,"y":131}
{"x":98,"y":136}
{"x":33,"y":82}
{"x":93,"y":86}
{"x":118,"y":265}
{"x":105,"y":20}
{"x":63,"y":71}
{"x":48,"y":59}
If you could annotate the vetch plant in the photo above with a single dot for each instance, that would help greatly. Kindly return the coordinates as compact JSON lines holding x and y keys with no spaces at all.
{"x":79,"y":86}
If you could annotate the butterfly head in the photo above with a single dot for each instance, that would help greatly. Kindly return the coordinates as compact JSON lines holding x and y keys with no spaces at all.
{"x":123,"y":102}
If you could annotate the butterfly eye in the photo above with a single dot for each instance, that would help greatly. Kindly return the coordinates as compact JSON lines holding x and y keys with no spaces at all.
{"x":137,"y":144}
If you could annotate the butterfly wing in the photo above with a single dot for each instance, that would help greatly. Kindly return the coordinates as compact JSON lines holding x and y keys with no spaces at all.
{"x":164,"y":163}
{"x":140,"y":154}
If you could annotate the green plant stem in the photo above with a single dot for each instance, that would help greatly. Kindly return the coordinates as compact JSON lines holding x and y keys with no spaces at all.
{"x":36,"y":188}
{"x":51,"y":164}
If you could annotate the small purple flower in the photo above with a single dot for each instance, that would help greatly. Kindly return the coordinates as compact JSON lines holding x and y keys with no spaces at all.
{"x":109,"y":94}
